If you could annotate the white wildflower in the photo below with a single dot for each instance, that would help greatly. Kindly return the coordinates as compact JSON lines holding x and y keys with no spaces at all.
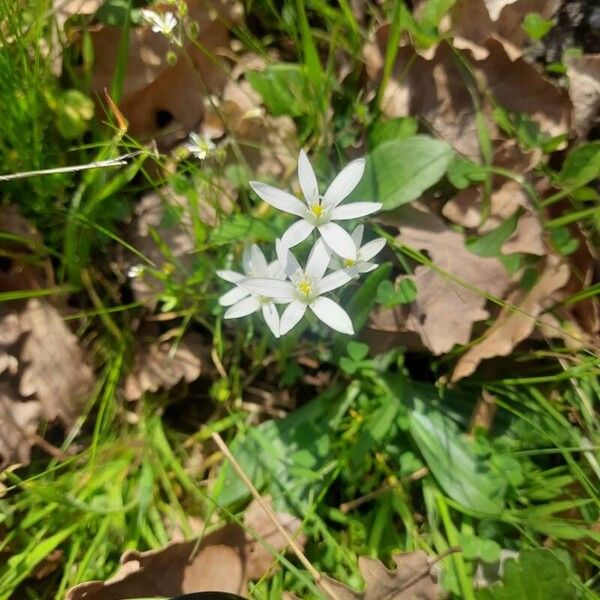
{"x":199,"y":146}
{"x":320,"y":212}
{"x":364,"y":254}
{"x":241,"y":301}
{"x":135,"y":271}
{"x":161,"y":23}
{"x":304,"y":289}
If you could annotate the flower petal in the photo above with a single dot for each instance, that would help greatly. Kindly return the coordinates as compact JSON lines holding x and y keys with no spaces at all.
{"x":233,"y":296}
{"x":293,"y":312}
{"x":354,"y":210}
{"x":244,"y":307}
{"x":366,"y":267}
{"x":307,"y":179}
{"x":318,"y":260}
{"x":231,"y":276}
{"x":335,"y":280}
{"x":357,"y":235}
{"x":271,"y":317}
{"x":332,"y":314}
{"x":247,"y":260}
{"x":270,"y":288}
{"x":275,"y":270}
{"x":296,"y":233}
{"x":338,"y":240}
{"x":346,"y":180}
{"x":371,"y":249}
{"x":288,"y":261}
{"x":279,"y":199}
{"x":259,"y":262}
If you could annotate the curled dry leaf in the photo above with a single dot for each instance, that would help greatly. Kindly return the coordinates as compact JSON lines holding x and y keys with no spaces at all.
{"x":158,"y":91}
{"x":160,"y":365}
{"x":223,"y":561}
{"x":584,"y":88}
{"x":444,"y":310}
{"x":437,"y":89}
{"x":514,"y":326}
{"x":413,"y":577}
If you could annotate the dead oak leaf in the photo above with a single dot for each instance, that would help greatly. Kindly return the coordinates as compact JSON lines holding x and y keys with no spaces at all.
{"x":161,"y":365}
{"x":514,"y":326}
{"x":413,"y":578}
{"x":53,"y":365}
{"x":584,"y":88}
{"x":223,"y":561}
{"x":444,"y":311}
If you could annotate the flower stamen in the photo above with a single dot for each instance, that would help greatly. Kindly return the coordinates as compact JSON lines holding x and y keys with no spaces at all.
{"x":317,"y":210}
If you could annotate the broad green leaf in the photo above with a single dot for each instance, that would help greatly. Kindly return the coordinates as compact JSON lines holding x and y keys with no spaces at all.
{"x":394,"y":129}
{"x":453,"y":463}
{"x":357,"y":351}
{"x":242,"y":228}
{"x":282,"y":88}
{"x":389,"y":296}
{"x":362,"y":302}
{"x":490,"y":244}
{"x":536,"y":575}
{"x":399,"y":171}
{"x":581,"y":166}
{"x":463,"y":172}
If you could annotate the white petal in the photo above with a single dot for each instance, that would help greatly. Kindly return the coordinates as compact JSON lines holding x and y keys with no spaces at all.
{"x":296,"y":233}
{"x":293,"y":312}
{"x":230,"y":276}
{"x":318,"y":260}
{"x":247,"y":259}
{"x":357,"y":235}
{"x":332,"y":314}
{"x":307,"y":179}
{"x":371,"y":249}
{"x":244,"y":307}
{"x":288,"y":261}
{"x":259,"y":262}
{"x":275,"y":270}
{"x":334,"y":280}
{"x":271,"y":288}
{"x":354,"y":210}
{"x":345,"y":182}
{"x":279,"y":199}
{"x":338,"y":240}
{"x":366,"y":267}
{"x":271,"y":317}
{"x":233,"y":296}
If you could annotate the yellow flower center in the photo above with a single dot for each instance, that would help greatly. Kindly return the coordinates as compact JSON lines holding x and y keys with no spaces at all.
{"x":305,"y":287}
{"x":317,"y":209}
{"x":349,"y":262}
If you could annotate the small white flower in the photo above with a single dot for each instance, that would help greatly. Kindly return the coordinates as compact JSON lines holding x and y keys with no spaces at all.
{"x":135,"y":271}
{"x":241,"y":301}
{"x":199,"y":146}
{"x":361,"y":264}
{"x":161,"y":23}
{"x":320,"y":212}
{"x":305,"y":288}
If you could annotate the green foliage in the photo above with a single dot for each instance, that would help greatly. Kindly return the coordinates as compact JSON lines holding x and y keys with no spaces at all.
{"x":282,"y":87}
{"x":390,"y":296}
{"x":242,"y":227}
{"x":399,"y":171}
{"x":536,"y":574}
{"x":536,"y":26}
{"x":581,"y":166}
{"x":394,"y":129}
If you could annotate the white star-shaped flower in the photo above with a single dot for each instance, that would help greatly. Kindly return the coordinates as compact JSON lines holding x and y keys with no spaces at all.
{"x":161,"y":23}
{"x":305,"y":288}
{"x":361,"y":264}
{"x":199,"y":146}
{"x":242,"y":301}
{"x":320,"y":212}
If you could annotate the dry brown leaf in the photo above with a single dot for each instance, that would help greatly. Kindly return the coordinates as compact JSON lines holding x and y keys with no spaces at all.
{"x":160,"y":365}
{"x":223,"y":561}
{"x":158,"y":93}
{"x":53,"y":370}
{"x":413,"y":578}
{"x":63,"y":9}
{"x":444,"y":311}
{"x":18,"y":422}
{"x":512,"y":327}
{"x":584,"y":88}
